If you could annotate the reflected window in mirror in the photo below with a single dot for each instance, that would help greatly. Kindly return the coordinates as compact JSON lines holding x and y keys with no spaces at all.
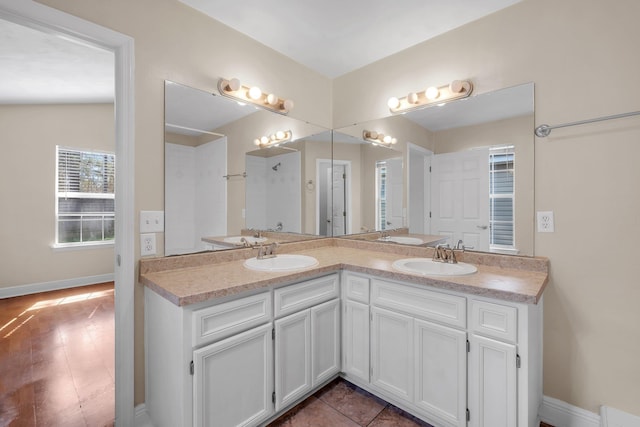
{"x":501,"y":194}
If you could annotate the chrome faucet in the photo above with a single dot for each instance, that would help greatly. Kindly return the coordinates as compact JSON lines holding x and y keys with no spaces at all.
{"x":384,"y":234}
{"x":245,"y":242}
{"x":443,"y":253}
{"x":265,"y":252}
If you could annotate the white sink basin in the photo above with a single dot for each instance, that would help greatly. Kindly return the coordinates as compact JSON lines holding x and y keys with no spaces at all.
{"x":284,"y":262}
{"x":402,"y":239}
{"x":428,"y":267}
{"x":236,"y":240}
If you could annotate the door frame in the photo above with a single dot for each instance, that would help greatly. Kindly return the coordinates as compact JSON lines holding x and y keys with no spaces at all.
{"x":426,"y":199}
{"x":45,"y":18}
{"x":347,"y":193}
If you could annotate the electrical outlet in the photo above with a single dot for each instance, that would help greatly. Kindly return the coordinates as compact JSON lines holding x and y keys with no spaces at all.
{"x":545,"y":222}
{"x":147,"y":244}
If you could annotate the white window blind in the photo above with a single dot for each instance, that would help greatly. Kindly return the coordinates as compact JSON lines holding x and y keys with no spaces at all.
{"x":84,"y":196}
{"x":501,"y":194}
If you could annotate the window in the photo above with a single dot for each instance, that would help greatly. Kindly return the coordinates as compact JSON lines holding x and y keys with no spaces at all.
{"x":85,"y":187}
{"x":501,"y":195}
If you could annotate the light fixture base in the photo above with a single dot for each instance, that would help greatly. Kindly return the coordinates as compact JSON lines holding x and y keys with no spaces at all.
{"x":232,"y":88}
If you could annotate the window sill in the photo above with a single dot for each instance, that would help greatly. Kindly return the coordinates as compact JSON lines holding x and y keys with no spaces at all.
{"x":62,"y":247}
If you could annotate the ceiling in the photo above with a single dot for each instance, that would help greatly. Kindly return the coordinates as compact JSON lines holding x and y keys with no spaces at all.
{"x":40,"y":68}
{"x":334,"y":37}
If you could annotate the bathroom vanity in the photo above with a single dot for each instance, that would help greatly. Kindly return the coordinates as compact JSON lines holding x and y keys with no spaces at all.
{"x":229,"y":346}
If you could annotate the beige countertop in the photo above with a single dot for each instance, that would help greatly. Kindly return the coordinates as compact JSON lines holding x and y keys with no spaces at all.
{"x":190,"y":279}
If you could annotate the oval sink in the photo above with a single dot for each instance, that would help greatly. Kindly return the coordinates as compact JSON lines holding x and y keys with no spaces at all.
{"x":284,"y":262}
{"x":428,"y":267}
{"x":402,"y":239}
{"x":236,"y":240}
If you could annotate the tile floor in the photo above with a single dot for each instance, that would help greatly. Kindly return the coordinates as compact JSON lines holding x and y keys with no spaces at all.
{"x":341,"y":404}
{"x":57,"y":358}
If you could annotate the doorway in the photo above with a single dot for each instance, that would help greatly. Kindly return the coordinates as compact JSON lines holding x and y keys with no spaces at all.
{"x":42,"y":17}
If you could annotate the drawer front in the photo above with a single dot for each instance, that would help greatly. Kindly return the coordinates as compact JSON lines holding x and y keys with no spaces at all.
{"x":291,"y":299}
{"x":494,"y":320}
{"x":356,"y":288}
{"x":223,"y":320}
{"x":447,"y":309}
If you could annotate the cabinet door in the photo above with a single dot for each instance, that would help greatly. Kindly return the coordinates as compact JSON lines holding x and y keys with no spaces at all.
{"x":325,"y":341}
{"x":392,"y":353}
{"x":492,"y":383}
{"x":233,"y":381}
{"x":292,"y":358}
{"x":441,"y":371}
{"x":355,"y":344}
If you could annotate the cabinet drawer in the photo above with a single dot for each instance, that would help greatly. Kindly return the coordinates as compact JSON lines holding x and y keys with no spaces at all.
{"x":229,"y":318}
{"x":494,"y":320}
{"x":356,"y":288}
{"x":291,"y":299}
{"x":448,"y":309}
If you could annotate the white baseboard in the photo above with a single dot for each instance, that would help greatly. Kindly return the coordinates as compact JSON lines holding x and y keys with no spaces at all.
{"x":34,"y":288}
{"x":141,"y":417}
{"x":561,"y":414}
{"x":612,"y":417}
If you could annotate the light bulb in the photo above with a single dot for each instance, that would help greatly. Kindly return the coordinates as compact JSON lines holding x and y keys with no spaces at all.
{"x":287,"y":104}
{"x":393,"y":102}
{"x":255,"y":93}
{"x":272,"y":99}
{"x":373,"y":134}
{"x":273,"y":137}
{"x":264,"y":140}
{"x":394,"y":140}
{"x":432,"y":93}
{"x":256,"y":141}
{"x":280,"y":135}
{"x":387,"y":139}
{"x":456,"y":86}
{"x":234,"y":84}
{"x":412,"y":98}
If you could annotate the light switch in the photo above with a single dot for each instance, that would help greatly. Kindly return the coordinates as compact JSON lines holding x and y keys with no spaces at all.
{"x":151,"y":221}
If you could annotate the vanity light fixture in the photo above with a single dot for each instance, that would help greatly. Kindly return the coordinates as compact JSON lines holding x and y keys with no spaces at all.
{"x":274,"y":140}
{"x":457,"y":89}
{"x":232,"y":88}
{"x":378,"y":138}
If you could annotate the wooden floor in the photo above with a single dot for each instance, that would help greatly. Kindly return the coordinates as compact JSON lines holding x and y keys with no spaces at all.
{"x":57,"y":358}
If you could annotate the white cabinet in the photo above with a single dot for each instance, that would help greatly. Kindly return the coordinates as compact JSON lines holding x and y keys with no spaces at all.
{"x":492,"y":383}
{"x":441,"y":371}
{"x":355,"y":339}
{"x":392,"y":353}
{"x":307,"y":342}
{"x":243,"y":364}
{"x":293,"y":358}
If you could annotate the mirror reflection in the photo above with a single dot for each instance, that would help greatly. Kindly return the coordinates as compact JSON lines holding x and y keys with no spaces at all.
{"x":451,"y":176}
{"x":212,"y":163}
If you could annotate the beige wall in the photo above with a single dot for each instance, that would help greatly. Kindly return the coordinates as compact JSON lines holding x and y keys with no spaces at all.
{"x":581,"y":56}
{"x":29,"y":135}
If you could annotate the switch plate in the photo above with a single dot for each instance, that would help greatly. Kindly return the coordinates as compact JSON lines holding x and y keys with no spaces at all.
{"x":151,"y":221}
{"x":545,"y":222}
{"x":147,"y":244}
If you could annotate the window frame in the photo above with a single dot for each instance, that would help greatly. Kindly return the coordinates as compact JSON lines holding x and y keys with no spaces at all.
{"x":82,"y":195}
{"x":496,"y":151}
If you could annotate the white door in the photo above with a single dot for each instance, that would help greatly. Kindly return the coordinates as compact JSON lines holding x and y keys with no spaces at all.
{"x":441,"y":372}
{"x":233,"y":380}
{"x":325,"y":341}
{"x":395,"y":187}
{"x":492,"y":383}
{"x":339,"y":205}
{"x":292,"y":358}
{"x":392,"y":353}
{"x":460,"y":197}
{"x":356,"y":340}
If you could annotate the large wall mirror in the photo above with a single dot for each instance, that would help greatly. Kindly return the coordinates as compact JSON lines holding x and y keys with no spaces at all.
{"x":218,"y":182}
{"x":462,"y":170}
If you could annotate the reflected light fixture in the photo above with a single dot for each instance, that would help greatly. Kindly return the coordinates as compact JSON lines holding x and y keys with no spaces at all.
{"x":457,"y":89}
{"x":274,"y":140}
{"x":234,"y":89}
{"x":377,"y":138}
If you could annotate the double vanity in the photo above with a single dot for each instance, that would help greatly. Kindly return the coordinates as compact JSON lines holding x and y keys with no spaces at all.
{"x":232,"y":340}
